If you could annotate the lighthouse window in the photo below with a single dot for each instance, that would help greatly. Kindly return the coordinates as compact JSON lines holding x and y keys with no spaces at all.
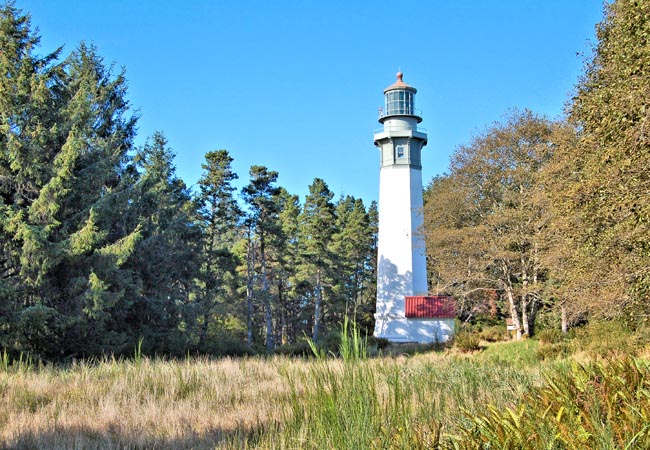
{"x":400,"y":151}
{"x":399,"y":102}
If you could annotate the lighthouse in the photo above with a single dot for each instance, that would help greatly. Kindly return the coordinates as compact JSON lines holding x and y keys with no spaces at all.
{"x":405,"y":312}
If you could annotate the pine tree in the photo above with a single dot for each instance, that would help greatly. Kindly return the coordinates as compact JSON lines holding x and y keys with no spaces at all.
{"x":352,"y":245}
{"x":318,"y":223}
{"x":368,"y":296}
{"x":30,"y":101}
{"x":263,"y":224}
{"x":165,"y":259}
{"x":286,"y":258}
{"x":220,"y":215}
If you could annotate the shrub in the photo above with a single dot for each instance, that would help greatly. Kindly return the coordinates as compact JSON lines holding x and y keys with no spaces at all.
{"x":552,"y":351}
{"x":606,"y":339}
{"x":330,"y":343}
{"x":494,"y":333}
{"x":301,"y":348}
{"x":379,"y":343}
{"x":467,"y":342}
{"x":550,"y":336}
{"x":232,"y":347}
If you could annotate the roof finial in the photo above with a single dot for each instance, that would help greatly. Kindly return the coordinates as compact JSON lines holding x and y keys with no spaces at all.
{"x":400,"y":75}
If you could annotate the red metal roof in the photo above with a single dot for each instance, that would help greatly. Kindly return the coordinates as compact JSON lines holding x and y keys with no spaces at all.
{"x":431,"y":307}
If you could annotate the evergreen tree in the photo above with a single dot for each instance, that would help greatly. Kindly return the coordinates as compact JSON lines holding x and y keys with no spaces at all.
{"x":352,"y":245}
{"x":30,"y":103}
{"x":165,"y":259}
{"x":368,"y":295}
{"x":74,"y":245}
{"x":287,"y":262}
{"x":263,"y":224}
{"x":220,"y":215}
{"x":318,"y":223}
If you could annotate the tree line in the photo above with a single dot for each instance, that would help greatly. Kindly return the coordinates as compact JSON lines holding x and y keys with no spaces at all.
{"x":103,"y":246}
{"x":539,"y":216}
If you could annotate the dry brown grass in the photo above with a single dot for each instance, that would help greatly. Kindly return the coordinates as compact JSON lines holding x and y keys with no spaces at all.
{"x":150,"y":404}
{"x":199,"y":403}
{"x":253,"y":402}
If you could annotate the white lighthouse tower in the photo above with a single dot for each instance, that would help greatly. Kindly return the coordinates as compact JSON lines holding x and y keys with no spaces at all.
{"x":405,"y":313}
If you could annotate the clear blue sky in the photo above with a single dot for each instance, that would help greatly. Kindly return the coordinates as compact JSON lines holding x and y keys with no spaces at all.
{"x":295,"y":85}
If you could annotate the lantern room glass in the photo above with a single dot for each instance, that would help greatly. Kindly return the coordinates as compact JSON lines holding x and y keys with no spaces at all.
{"x":399,"y":102}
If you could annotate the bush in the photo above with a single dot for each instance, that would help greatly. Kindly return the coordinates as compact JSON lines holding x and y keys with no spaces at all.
{"x":301,"y":348}
{"x":411,"y":349}
{"x":552,"y":351}
{"x":550,"y":336}
{"x":330,"y":343}
{"x":467,"y":342}
{"x":379,"y":343}
{"x":606,"y":339}
{"x":232,"y":347}
{"x":494,"y":333}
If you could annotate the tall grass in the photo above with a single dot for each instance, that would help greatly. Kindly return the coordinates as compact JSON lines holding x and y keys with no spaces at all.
{"x":196,"y":403}
{"x":410,"y":403}
{"x":505,"y":397}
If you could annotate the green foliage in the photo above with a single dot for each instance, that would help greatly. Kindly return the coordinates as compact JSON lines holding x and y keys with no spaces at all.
{"x":219,"y":214}
{"x":317,"y":226}
{"x":101,"y":243}
{"x":599,"y":179}
{"x":390,"y":403}
{"x":80,"y":210}
{"x":607,"y":339}
{"x":522,"y":354}
{"x":484,"y":221}
{"x":354,"y":347}
{"x":551,"y":351}
{"x":300,"y":348}
{"x":600,"y":406}
{"x":467,"y":342}
{"x":493,"y":333}
{"x":550,"y":336}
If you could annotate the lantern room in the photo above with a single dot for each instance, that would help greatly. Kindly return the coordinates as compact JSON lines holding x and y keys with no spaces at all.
{"x":400,"y":100}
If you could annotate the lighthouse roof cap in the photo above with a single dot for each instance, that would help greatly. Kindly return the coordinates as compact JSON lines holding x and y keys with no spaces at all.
{"x":399,"y":84}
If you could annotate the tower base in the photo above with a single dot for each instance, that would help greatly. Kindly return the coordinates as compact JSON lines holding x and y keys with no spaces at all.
{"x":422,"y":331}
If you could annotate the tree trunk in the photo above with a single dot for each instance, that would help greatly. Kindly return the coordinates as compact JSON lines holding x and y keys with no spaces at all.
{"x":532,"y":316}
{"x":513,"y":310}
{"x":204,"y":330}
{"x":525,"y":320}
{"x":317,"y":306}
{"x":250,"y":264}
{"x":510,"y":295}
{"x":565,"y":319}
{"x":283,"y":313}
{"x":268,"y":314}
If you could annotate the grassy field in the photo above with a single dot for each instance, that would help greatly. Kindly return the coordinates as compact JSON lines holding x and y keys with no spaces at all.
{"x":509,"y":395}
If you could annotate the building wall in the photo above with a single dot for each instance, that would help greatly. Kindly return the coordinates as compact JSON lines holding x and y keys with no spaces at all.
{"x":424,"y":331}
{"x":401,"y":268}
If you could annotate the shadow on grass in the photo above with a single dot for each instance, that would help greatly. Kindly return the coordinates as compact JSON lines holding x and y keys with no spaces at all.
{"x":411,"y":349}
{"x":92,"y":439}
